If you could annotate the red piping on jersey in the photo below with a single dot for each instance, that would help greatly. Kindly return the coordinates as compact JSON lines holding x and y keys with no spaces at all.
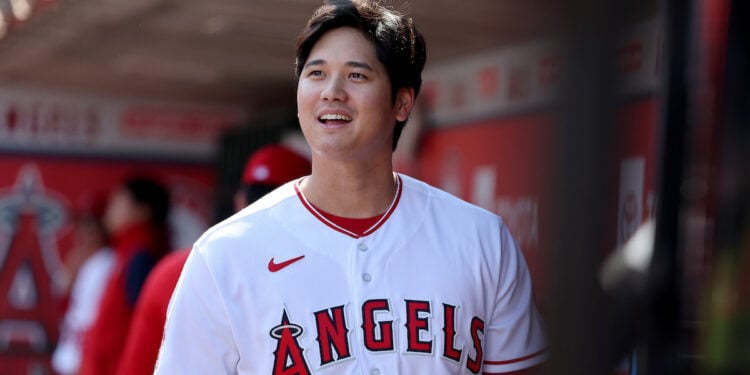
{"x":516,"y":359}
{"x":340,"y":229}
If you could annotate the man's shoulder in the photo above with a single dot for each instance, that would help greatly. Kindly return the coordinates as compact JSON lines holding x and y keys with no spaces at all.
{"x":443,"y":201}
{"x":253,"y":218}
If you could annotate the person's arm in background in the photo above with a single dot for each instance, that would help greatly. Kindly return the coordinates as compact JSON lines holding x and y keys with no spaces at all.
{"x":147,"y":327}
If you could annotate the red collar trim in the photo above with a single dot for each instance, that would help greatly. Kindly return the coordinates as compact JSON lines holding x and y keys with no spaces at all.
{"x":341,"y":229}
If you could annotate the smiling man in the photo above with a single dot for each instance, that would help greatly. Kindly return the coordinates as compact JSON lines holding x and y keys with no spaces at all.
{"x":355,"y":269}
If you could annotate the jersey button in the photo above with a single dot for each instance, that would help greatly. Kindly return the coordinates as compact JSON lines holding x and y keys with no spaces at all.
{"x":366,"y":277}
{"x":375,"y":371}
{"x":362,"y":247}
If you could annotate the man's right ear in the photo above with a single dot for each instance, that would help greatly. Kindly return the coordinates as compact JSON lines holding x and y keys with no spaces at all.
{"x":404,"y":103}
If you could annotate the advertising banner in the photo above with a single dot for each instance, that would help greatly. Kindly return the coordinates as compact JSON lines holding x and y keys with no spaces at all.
{"x":44,"y":121}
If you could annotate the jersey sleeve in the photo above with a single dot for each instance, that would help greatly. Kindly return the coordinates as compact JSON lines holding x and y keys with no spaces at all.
{"x":515,"y":338}
{"x":198,"y":338}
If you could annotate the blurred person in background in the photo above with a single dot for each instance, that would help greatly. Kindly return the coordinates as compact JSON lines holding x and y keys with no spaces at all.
{"x":136,"y":218}
{"x":88,"y":267}
{"x":267,"y":168}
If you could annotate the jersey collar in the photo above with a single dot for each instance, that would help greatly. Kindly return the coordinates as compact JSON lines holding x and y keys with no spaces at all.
{"x":341,"y":229}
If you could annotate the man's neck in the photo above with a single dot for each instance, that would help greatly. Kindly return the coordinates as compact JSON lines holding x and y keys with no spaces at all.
{"x":350,"y":190}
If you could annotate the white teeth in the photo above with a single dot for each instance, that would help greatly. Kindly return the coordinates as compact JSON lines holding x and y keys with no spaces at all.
{"x":335,"y":117}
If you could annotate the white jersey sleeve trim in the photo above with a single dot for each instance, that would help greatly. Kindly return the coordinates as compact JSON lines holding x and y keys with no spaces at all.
{"x":501,"y":367}
{"x":516,"y":336}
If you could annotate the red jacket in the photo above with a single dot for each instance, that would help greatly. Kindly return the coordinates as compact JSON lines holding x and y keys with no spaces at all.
{"x":137,"y":249}
{"x":144,"y":338}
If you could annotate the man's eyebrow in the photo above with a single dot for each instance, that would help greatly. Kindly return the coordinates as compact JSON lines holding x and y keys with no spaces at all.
{"x":357,"y":64}
{"x":315,"y":62}
{"x":354,"y":64}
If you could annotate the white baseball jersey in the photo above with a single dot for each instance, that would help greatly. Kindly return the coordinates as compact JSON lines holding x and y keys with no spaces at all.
{"x":437,"y":286}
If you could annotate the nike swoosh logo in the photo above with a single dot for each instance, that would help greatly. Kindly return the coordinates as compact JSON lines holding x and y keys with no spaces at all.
{"x":274,"y":267}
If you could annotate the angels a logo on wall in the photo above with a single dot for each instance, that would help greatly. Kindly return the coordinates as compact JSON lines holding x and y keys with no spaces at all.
{"x":31,"y":217}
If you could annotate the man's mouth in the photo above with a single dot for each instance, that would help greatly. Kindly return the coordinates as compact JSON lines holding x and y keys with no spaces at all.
{"x":334,"y":118}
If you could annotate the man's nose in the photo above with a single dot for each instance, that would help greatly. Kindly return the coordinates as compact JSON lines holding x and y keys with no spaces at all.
{"x":334,"y":90}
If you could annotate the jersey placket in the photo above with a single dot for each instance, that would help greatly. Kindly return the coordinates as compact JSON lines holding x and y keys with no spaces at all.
{"x":375,"y":310}
{"x":374,"y":318}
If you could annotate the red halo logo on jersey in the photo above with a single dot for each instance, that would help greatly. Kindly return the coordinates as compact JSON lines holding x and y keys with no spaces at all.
{"x":288,"y":358}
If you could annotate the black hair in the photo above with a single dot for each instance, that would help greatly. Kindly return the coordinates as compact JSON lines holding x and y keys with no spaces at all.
{"x":398,"y":44}
{"x":147,"y":191}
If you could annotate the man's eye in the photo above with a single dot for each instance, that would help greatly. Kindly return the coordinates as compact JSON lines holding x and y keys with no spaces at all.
{"x":315,"y":73}
{"x":357,"y":76}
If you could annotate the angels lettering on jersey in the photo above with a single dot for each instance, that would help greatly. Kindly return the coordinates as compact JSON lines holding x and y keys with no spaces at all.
{"x":334,"y":345}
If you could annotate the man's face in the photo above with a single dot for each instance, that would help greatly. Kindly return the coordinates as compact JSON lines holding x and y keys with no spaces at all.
{"x":344,"y":99}
{"x":122,"y":212}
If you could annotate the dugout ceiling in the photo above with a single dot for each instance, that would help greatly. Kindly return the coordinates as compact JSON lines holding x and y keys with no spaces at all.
{"x":225,"y":51}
